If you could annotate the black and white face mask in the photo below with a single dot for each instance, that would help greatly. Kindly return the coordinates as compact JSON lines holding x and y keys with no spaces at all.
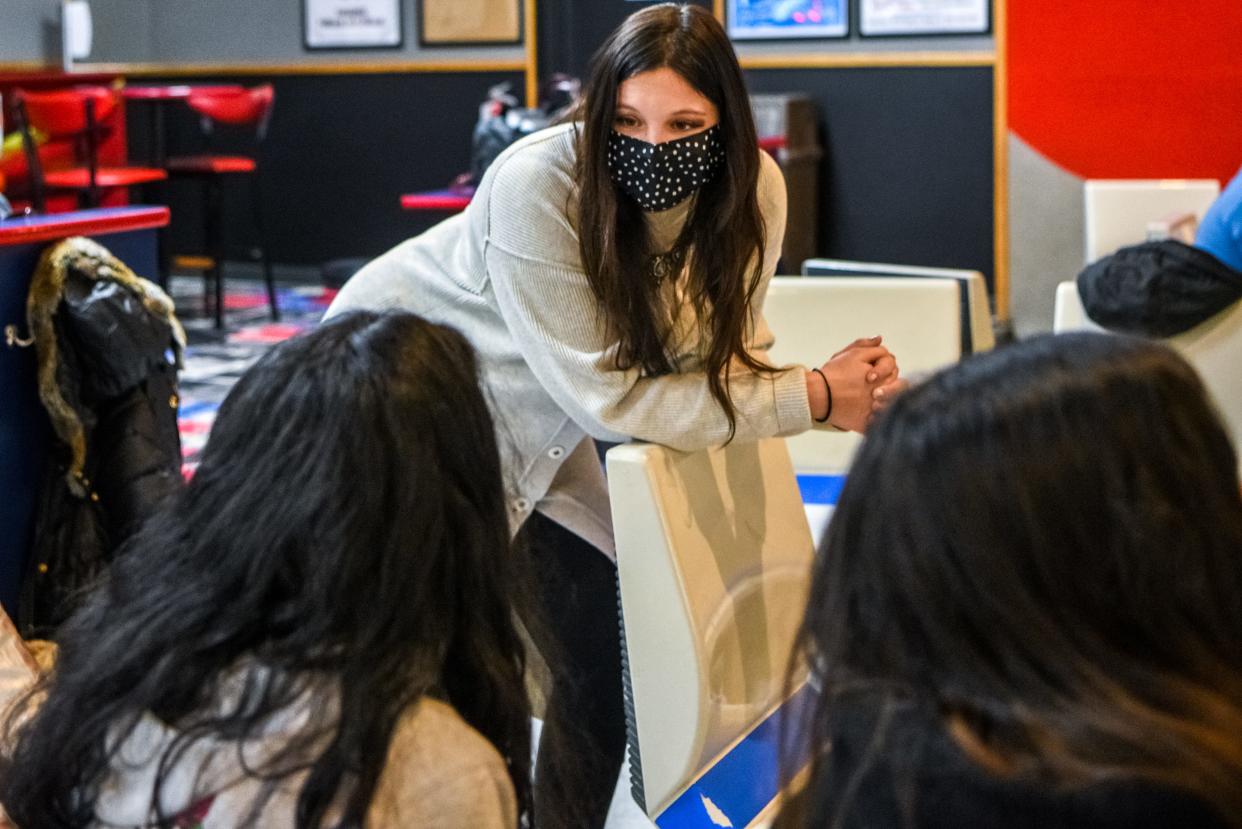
{"x":660,"y":176}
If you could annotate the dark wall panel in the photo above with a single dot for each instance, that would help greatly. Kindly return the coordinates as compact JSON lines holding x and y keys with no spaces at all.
{"x":571,"y":30}
{"x":907,"y":169}
{"x":340,"y":151}
{"x":906,"y":175}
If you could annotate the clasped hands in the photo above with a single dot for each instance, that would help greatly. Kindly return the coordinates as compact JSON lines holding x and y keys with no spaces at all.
{"x":860,"y":379}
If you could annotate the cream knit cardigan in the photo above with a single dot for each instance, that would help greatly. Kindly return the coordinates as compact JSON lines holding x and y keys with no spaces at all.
{"x":507,"y":274}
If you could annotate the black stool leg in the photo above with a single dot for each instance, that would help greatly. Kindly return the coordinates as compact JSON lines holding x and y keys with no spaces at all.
{"x":151,"y":194}
{"x":215,"y":245}
{"x":206,"y":248}
{"x":163,"y":260}
{"x":256,"y":204}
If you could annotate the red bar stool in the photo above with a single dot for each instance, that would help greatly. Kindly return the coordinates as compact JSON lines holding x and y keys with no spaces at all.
{"x":250,"y":109}
{"x":78,"y":116}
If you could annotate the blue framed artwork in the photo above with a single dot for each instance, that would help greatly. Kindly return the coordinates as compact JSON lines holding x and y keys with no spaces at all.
{"x":785,"y":19}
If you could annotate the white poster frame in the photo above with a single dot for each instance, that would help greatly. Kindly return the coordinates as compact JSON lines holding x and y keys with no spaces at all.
{"x":352,"y":24}
{"x":924,"y":18}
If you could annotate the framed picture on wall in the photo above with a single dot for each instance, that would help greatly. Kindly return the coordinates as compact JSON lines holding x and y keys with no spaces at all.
{"x":785,"y":19}
{"x":351,"y":24}
{"x":469,"y":22}
{"x":921,"y":18}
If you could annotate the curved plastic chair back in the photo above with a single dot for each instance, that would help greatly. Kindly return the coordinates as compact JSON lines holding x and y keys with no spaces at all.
{"x":1069,"y":315}
{"x":250,"y":107}
{"x":1117,"y":212}
{"x":812,"y":317}
{"x":72,"y":116}
{"x":62,"y":112}
{"x":976,"y":311}
{"x":1213,"y":347}
{"x":713,"y":558}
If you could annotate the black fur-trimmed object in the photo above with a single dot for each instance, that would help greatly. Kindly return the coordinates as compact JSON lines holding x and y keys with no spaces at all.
{"x":108,"y":348}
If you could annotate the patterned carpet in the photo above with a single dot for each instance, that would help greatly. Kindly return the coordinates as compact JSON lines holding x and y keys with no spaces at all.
{"x":214,"y":360}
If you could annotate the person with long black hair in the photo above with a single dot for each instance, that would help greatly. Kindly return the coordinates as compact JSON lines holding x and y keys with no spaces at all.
{"x":611,"y":272}
{"x":318,"y":630}
{"x":1041,"y":624}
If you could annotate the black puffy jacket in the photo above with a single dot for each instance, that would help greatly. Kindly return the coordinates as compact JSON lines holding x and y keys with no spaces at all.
{"x":108,"y":347}
{"x":1157,"y":289}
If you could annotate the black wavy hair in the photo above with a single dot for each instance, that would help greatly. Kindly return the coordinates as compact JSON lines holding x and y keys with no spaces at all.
{"x":1044,"y":544}
{"x":346,"y":522}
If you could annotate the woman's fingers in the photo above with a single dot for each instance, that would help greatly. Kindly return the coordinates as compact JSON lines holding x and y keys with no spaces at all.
{"x":864,"y":378}
{"x":883,"y":369}
{"x":851,"y":393}
{"x":884,"y":394}
{"x":867,"y":354}
{"x":861,"y":342}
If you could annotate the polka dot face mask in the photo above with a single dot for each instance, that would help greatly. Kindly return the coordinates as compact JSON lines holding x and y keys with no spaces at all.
{"x":660,"y":176}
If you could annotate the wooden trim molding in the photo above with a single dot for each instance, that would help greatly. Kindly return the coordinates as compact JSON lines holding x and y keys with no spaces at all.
{"x":851,"y":60}
{"x":1000,"y":162}
{"x":26,"y":66}
{"x":531,"y":66}
{"x":179,"y":70}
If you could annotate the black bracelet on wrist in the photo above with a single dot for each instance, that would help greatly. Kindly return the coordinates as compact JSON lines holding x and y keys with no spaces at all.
{"x":827,"y":388}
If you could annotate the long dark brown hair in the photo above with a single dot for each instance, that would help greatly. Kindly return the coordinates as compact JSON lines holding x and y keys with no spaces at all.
{"x":347,"y":523}
{"x":724,"y":236}
{"x":1044,"y":545}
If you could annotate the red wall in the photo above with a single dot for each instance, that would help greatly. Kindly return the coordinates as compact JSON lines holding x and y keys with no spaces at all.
{"x":1127,"y":89}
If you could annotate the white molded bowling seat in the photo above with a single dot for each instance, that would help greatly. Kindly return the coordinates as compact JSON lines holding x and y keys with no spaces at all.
{"x":1117,"y":212}
{"x":1068,"y":313}
{"x":714,"y":558}
{"x":976,"y":312}
{"x":812,"y":318}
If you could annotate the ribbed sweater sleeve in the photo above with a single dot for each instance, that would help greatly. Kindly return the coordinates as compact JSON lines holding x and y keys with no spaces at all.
{"x":541,"y":290}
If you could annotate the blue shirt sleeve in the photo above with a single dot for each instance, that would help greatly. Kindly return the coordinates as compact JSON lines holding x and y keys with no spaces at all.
{"x":1220,"y":232}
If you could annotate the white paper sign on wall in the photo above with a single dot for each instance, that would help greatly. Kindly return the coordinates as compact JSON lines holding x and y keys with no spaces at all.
{"x":352,"y":24}
{"x":923,"y":17}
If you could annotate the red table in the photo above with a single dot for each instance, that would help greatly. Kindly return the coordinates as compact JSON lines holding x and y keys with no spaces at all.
{"x":166,"y":94}
{"x":451,"y":200}
{"x":32,"y":228}
{"x":772,"y":143}
{"x":175,"y":92}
